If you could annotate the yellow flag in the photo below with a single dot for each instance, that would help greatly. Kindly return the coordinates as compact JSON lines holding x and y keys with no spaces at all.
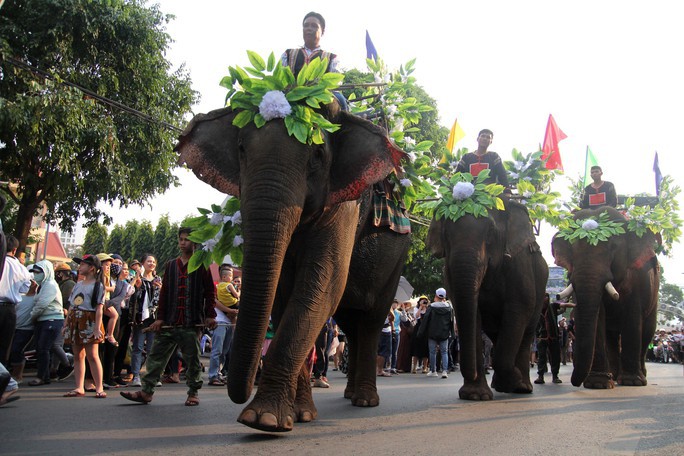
{"x":455,"y":135}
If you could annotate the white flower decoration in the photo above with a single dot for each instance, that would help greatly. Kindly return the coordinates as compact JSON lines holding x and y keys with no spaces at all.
{"x":454,"y":164}
{"x":236,"y":219}
{"x":590,"y":224}
{"x":209,"y":244}
{"x":412,"y":156}
{"x":406,"y":182}
{"x":463,"y":190}
{"x":391,"y":110}
{"x":409,"y":141}
{"x":274,"y":105}
{"x":216,"y":219}
{"x":527,"y":194}
{"x":237,"y":240}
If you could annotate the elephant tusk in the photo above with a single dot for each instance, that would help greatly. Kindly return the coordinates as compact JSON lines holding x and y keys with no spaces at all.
{"x":565,"y":293}
{"x":612,"y":291}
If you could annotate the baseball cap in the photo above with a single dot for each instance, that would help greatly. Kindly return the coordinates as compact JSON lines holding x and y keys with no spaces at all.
{"x":62,"y":267}
{"x":116,"y":256}
{"x":133,"y":263}
{"x":440,"y":293}
{"x":104,"y":257}
{"x":89,"y":259}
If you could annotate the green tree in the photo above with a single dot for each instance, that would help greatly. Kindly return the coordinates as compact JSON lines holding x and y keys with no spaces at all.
{"x":95,"y":239}
{"x":144,"y":240}
{"x":422,"y":270}
{"x":130,"y":234}
{"x":165,"y":241}
{"x":64,"y":149}
{"x":116,"y":240}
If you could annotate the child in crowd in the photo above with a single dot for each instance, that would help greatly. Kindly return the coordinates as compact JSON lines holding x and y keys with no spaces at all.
{"x":83,"y":328}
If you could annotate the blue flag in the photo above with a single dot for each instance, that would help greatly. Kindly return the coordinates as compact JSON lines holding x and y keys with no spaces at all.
{"x":371,"y":53}
{"x":658,"y":174}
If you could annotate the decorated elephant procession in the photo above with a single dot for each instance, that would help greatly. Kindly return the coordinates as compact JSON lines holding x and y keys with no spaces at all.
{"x":318,"y":221}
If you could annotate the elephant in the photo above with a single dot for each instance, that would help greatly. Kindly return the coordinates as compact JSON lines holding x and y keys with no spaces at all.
{"x":496,"y":278}
{"x":615,"y":284}
{"x":300,"y":207}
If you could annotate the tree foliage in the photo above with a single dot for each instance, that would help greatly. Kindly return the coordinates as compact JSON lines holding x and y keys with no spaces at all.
{"x":144,"y":240}
{"x":165,"y":240}
{"x":130,"y":234}
{"x":116,"y":240}
{"x":95,"y":239}
{"x":64,"y":149}
{"x":422,"y":269}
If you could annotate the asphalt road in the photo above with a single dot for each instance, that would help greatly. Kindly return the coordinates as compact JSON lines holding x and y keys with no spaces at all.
{"x":417,"y":415}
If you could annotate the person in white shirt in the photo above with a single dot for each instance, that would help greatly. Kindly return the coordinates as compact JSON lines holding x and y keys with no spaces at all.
{"x":16,"y":280}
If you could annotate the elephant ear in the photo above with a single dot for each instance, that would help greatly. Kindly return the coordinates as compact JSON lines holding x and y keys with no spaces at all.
{"x":434,"y":238}
{"x":562,"y":252}
{"x":363,"y":154}
{"x":208,"y":145}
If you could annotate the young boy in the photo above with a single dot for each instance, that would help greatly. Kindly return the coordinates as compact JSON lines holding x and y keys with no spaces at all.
{"x":227,"y":297}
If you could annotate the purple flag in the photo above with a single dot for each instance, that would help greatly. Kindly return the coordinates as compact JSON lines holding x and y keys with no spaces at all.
{"x":371,"y":53}
{"x":658,"y":174}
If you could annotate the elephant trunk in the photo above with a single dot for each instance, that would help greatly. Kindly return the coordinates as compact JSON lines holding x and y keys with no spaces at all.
{"x":465,"y":296}
{"x":267,"y":226}
{"x":589,"y":300}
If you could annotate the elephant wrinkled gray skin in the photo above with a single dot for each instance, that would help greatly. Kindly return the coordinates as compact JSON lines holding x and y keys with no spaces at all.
{"x":496,"y":278}
{"x":611,"y":336}
{"x":299,"y":220}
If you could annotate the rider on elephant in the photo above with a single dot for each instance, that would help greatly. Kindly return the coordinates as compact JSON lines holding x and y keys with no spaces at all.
{"x":481,"y":159}
{"x":313,"y":29}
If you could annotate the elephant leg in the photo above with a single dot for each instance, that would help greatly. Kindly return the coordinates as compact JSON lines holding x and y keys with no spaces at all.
{"x":508,"y":377}
{"x":345,"y":320}
{"x":304,"y":408}
{"x":475,"y":386}
{"x":366,"y":391}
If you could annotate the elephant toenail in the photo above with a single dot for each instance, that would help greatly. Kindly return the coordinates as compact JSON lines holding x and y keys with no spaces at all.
{"x":268,"y":420}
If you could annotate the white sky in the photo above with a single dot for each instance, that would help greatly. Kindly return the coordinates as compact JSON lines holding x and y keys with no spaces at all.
{"x":610,"y":72}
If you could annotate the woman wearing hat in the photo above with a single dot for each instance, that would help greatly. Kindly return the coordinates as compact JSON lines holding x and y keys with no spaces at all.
{"x":83,"y":328}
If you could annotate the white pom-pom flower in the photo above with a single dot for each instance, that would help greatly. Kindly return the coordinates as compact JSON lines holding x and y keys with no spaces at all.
{"x":274,"y":105}
{"x":237,"y":240}
{"x":463,"y":190}
{"x":216,"y":219}
{"x":590,"y":224}
{"x":209,"y":244}
{"x":405,"y":182}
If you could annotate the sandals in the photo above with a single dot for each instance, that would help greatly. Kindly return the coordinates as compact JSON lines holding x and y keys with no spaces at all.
{"x":101,"y":395}
{"x":384,"y":374}
{"x":169,"y":379}
{"x":73,"y":393}
{"x":112,"y":341}
{"x":135,"y":397}
{"x":192,"y":401}
{"x":38,"y":382}
{"x":216,"y":382}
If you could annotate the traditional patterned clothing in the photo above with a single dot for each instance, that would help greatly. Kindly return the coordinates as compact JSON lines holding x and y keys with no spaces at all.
{"x":186,"y":299}
{"x":296,"y":58}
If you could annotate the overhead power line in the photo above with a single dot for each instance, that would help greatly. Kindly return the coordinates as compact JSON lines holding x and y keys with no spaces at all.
{"x":90,"y":93}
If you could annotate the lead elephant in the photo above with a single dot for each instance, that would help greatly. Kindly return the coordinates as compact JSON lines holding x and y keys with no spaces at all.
{"x":300,"y":221}
{"x":613,"y":324}
{"x":496,"y":277}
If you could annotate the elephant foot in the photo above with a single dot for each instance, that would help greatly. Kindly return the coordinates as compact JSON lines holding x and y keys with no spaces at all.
{"x":266,"y":421}
{"x":475,"y":392}
{"x":366,"y":398}
{"x":305,"y":411}
{"x":599,"y":380}
{"x":632,"y":380}
{"x":348,"y":393}
{"x":511,"y":382}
